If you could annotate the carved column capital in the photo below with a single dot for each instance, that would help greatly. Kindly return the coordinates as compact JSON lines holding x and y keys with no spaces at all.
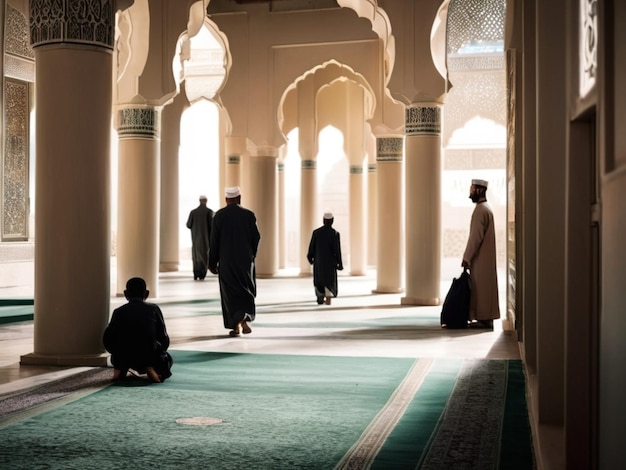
{"x":389,"y":149}
{"x":138,"y":123}
{"x":423,"y":119}
{"x":86,"y":22}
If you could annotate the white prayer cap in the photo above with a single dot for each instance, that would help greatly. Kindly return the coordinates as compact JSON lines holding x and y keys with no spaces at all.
{"x":477,"y":182}
{"x":328,"y":215}
{"x":202,"y":197}
{"x":233,"y":192}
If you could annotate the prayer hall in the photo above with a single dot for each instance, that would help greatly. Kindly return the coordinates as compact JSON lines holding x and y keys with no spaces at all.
{"x":118,"y":114}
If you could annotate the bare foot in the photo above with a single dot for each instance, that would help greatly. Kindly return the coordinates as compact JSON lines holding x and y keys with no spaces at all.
{"x":245,"y":328}
{"x":152,"y":375}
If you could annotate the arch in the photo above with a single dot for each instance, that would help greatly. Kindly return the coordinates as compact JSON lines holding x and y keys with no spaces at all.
{"x":203,"y":61}
{"x":324,"y":74}
{"x":380,"y":25}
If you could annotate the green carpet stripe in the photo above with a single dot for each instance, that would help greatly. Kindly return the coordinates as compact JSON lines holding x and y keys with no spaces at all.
{"x":16,"y":301}
{"x":16,"y":313}
{"x":516,"y":447}
{"x":406,"y":444}
{"x":365,"y":449}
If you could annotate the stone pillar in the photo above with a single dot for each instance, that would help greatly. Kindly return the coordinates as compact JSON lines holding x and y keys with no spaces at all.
{"x":234,"y":148}
{"x":308,"y":211}
{"x":389,"y":239}
{"x":170,"y":219}
{"x":423,"y":204}
{"x":358,"y":225}
{"x":73,"y":144}
{"x":372,"y":203}
{"x":282,"y":239}
{"x":263,"y":200}
{"x":138,"y":188}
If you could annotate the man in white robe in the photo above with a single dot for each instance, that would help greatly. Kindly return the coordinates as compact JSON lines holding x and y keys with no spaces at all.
{"x":480,"y":259}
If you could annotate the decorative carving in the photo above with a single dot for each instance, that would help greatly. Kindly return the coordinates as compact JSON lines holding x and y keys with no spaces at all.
{"x":588,"y":61}
{"x":16,"y":34}
{"x":356,"y":169}
{"x":422,"y":120}
{"x":476,"y":62}
{"x":15,"y":164}
{"x":475,"y":26}
{"x":139,"y":123}
{"x":233,"y":160}
{"x":389,"y":149}
{"x":89,"y":22}
{"x":309,"y":164}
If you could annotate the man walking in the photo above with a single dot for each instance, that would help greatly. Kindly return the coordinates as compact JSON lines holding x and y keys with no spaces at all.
{"x":480,"y":259}
{"x":234,"y":242}
{"x":325,"y":256}
{"x":199,"y":222}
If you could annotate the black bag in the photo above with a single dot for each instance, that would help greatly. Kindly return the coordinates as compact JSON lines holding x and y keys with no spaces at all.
{"x":455,"y":311}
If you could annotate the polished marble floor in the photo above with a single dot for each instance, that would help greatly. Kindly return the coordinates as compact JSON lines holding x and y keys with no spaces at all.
{"x":289,"y":321}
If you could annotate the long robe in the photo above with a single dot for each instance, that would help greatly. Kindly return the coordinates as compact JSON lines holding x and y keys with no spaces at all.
{"x":136,"y":336}
{"x":199,"y":222}
{"x":480,"y":254}
{"x":325,"y":256}
{"x":234,"y":242}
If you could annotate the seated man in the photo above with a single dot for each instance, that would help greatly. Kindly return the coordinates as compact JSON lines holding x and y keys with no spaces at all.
{"x":136,"y":336}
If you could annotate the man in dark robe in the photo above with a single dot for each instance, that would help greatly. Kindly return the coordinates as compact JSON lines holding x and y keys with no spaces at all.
{"x":234,"y":242}
{"x":136,"y":336}
{"x":199,"y":222}
{"x":325,"y":256}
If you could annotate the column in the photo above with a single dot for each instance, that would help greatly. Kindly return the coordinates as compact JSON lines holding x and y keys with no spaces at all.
{"x":263,"y":200}
{"x":358,"y":232}
{"x":423,"y":204}
{"x":234,"y":147}
{"x":72,"y":229}
{"x":169,"y":246}
{"x":138,"y":188}
{"x":372,"y":202}
{"x":308,"y":211}
{"x":282,"y":239}
{"x":389,"y":239}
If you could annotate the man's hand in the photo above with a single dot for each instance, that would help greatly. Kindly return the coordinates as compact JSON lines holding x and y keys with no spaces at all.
{"x":465,"y":264}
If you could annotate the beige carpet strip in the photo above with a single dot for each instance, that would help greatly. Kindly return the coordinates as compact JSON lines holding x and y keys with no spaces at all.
{"x":362,"y":453}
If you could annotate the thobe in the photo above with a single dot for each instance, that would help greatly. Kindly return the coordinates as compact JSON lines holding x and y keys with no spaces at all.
{"x":325,"y":256}
{"x":480,"y":254}
{"x":199,"y":222}
{"x":234,"y":242}
{"x":136,"y":336}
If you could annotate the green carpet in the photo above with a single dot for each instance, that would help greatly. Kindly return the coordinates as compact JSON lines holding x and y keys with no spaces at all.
{"x":277,"y":412}
{"x":16,"y":311}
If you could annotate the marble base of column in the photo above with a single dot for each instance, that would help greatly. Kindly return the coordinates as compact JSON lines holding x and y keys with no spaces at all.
{"x":391,"y":290}
{"x":420,"y":301}
{"x":75,"y":360}
{"x":168,"y":267}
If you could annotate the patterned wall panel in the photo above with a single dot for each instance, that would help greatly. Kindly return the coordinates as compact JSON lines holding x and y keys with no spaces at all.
{"x":15,"y":163}
{"x":19,"y":57}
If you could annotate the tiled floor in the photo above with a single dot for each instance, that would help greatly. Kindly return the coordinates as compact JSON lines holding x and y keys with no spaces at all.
{"x":289,"y":321}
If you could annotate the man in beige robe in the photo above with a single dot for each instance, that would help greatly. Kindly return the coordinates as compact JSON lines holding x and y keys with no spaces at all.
{"x":480,"y":259}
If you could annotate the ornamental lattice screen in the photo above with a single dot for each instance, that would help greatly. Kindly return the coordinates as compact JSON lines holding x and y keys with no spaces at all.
{"x":19,"y":73}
